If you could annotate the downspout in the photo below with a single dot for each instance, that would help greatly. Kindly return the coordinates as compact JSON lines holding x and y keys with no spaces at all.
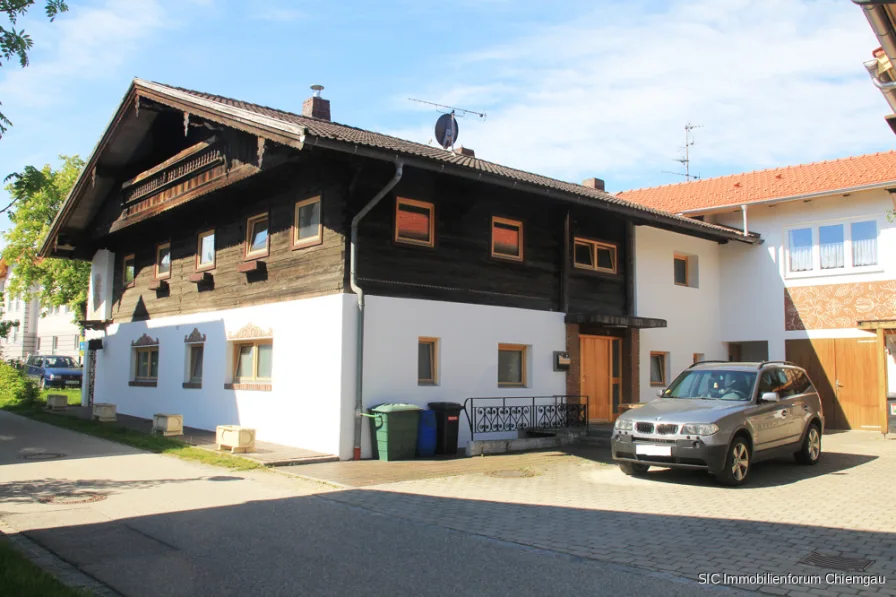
{"x":353,"y":282}
{"x":743,"y":209}
{"x":887,"y":88}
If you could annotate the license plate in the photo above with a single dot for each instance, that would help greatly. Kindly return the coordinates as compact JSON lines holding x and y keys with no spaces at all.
{"x":653,"y":450}
{"x":73,"y":382}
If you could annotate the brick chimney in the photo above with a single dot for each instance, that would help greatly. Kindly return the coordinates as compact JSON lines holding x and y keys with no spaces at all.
{"x":465,"y":151}
{"x":316,"y":106}
{"x":594,"y":183}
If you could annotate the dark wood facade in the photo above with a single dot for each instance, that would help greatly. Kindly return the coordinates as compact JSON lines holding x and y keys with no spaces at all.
{"x":194,"y":178}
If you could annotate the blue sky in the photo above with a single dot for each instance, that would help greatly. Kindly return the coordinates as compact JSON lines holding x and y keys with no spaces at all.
{"x":572,"y":89}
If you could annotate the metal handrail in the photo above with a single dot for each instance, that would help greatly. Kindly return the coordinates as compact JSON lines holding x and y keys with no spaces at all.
{"x":494,"y":414}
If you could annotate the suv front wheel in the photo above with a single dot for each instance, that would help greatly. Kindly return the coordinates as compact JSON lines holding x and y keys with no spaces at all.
{"x":737,"y":464}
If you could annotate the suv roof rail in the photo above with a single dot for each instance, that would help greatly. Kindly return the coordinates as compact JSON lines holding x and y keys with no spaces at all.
{"x":764,"y":363}
{"x":704,"y":362}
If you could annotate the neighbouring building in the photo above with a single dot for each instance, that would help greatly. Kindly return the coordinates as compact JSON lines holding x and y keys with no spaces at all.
{"x":281,"y":271}
{"x":882,"y":18}
{"x":819,"y":291}
{"x":41,"y":330}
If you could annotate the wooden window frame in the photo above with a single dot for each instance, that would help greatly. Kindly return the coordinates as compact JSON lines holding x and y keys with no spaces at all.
{"x":137,"y":352}
{"x":203,"y":267}
{"x":399,"y":201}
{"x":594,"y":244}
{"x":524,"y":349}
{"x":696,"y":360}
{"x":687,"y":269}
{"x":249,"y":255}
{"x":434,"y":361}
{"x":665,"y":358}
{"x":519,"y":224}
{"x":124,"y":270}
{"x":313,"y":240}
{"x":192,"y":383}
{"x":159,"y":247}
{"x":236,"y":356}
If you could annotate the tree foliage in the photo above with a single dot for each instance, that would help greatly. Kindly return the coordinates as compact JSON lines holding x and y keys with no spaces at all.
{"x":37,"y":196}
{"x":15,"y":44}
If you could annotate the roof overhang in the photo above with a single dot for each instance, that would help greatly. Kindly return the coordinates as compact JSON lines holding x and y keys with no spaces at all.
{"x":615,"y":321}
{"x":84,"y":199}
{"x":890,"y":184}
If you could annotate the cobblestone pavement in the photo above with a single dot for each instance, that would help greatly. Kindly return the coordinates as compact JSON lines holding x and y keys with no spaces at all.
{"x":676,"y":521}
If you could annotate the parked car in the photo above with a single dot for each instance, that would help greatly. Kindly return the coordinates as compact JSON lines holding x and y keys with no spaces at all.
{"x":53,"y":371}
{"x":723,"y":417}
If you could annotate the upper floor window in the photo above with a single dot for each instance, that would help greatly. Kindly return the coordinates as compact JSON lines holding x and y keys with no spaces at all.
{"x":831,"y":248}
{"x":684,"y":270}
{"x":128,"y":271}
{"x":307,"y":227}
{"x":205,"y":252}
{"x":257,"y":239}
{"x":594,"y":255}
{"x":414,"y":222}
{"x":163,"y":261}
{"x":507,"y":239}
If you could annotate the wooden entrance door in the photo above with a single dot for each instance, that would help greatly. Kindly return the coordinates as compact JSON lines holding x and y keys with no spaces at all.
{"x":601,"y":378}
{"x":845,"y":374}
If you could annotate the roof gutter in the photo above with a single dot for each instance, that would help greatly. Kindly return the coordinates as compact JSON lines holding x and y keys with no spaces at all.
{"x":887,"y":88}
{"x":353,"y":282}
{"x":804,"y":197}
{"x":881,"y":24}
{"x":649,"y":216}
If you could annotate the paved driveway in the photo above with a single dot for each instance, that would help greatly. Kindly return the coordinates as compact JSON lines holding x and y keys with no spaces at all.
{"x":680,"y":522}
{"x":145,"y":524}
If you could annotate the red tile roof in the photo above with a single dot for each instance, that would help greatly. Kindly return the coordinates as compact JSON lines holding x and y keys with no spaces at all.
{"x":774,"y":183}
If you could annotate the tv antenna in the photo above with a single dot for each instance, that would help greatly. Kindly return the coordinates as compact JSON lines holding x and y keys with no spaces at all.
{"x":446,"y":130}
{"x":686,"y":160}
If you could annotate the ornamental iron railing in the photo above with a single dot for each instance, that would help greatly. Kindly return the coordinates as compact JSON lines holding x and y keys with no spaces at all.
{"x":525,"y":413}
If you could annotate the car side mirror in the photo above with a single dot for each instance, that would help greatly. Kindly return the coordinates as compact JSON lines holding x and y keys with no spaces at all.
{"x":659,"y":393}
{"x":769,"y":397}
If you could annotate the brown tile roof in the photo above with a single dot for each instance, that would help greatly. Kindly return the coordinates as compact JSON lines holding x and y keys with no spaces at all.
{"x":356,"y":136}
{"x":774,"y":183}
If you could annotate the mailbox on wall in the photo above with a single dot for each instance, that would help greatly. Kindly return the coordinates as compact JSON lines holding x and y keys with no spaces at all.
{"x":561,"y":361}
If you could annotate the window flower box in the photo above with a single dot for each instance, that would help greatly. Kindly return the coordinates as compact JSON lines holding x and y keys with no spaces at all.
{"x":104,"y":412}
{"x":235,"y":438}
{"x":167,"y":424}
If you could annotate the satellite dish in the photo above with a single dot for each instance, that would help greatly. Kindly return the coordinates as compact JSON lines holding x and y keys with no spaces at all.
{"x":446,"y":130}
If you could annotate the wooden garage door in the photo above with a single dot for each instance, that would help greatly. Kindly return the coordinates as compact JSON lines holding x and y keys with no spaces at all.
{"x":844,"y":372}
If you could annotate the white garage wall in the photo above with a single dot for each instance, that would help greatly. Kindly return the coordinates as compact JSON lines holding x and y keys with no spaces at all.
{"x":306,"y":407}
{"x":693,"y":314}
{"x":468,"y":352}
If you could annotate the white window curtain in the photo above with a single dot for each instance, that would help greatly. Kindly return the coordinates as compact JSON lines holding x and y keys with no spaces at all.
{"x":864,"y":252}
{"x":801,"y":259}
{"x":831,"y":255}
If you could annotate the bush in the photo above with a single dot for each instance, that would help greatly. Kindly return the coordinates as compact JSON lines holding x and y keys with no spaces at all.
{"x":15,"y":387}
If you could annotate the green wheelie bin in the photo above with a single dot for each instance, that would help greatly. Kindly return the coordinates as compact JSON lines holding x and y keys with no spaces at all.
{"x":393,"y":430}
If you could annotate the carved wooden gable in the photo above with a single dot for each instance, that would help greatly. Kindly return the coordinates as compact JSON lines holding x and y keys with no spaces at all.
{"x":145,"y":340}
{"x":251,"y":331}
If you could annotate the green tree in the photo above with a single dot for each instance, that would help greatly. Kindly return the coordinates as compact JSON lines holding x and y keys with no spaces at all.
{"x":16,"y":44}
{"x":37,"y":196}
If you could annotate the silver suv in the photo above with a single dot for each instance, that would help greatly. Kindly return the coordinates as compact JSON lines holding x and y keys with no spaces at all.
{"x":723,"y":417}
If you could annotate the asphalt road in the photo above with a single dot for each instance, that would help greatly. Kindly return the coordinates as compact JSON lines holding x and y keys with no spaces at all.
{"x":170,"y":528}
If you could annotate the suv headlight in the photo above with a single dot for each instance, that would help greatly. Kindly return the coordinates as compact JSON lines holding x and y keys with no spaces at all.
{"x":699,"y":429}
{"x":624,"y":424}
{"x":51,"y":376}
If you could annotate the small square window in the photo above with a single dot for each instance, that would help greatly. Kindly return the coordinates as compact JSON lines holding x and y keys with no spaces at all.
{"x":205,"y":251}
{"x":163,"y":261}
{"x":147,"y":365}
{"x":698,"y":357}
{"x":427,"y":361}
{"x":681,"y":270}
{"x":307,"y":227}
{"x":253,"y":361}
{"x":512,"y":366}
{"x":128,"y":271}
{"x":257,"y":239}
{"x":594,"y":255}
{"x":414,"y":222}
{"x":658,"y":365}
{"x":507,"y":239}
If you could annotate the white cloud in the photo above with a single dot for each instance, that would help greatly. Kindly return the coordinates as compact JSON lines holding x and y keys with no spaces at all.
{"x":608,"y":94}
{"x":87,"y":43}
